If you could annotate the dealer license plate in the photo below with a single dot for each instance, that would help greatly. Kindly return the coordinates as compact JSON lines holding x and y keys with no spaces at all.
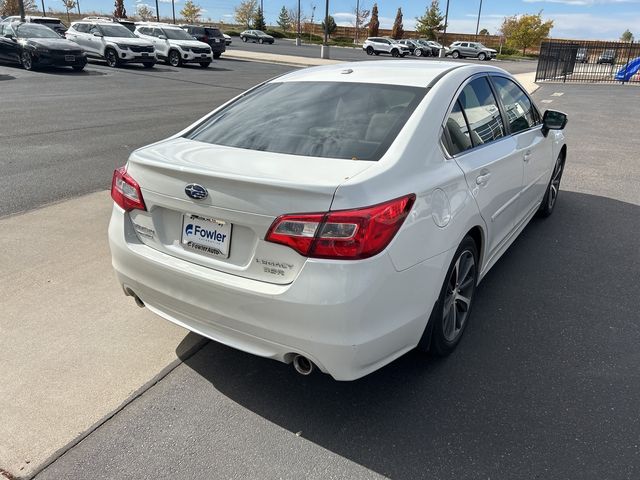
{"x":206,"y":235}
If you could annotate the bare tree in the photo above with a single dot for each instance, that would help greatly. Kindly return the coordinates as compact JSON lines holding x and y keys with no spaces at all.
{"x":361,"y":19}
{"x":69,"y":5}
{"x":144,"y":12}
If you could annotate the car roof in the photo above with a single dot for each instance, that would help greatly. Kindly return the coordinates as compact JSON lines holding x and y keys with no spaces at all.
{"x":158,"y":24}
{"x":391,"y":72}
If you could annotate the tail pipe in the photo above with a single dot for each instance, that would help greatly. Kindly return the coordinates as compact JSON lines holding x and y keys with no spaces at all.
{"x":131,"y":293}
{"x":303,"y":365}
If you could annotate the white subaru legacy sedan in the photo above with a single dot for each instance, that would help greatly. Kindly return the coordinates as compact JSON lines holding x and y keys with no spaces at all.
{"x":340,"y":216}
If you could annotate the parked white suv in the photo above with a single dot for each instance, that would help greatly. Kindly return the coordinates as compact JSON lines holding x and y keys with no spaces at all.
{"x":174,"y":45}
{"x":378,"y":45}
{"x":105,"y":39}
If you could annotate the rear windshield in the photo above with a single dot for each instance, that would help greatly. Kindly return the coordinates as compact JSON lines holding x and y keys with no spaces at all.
{"x":52,"y":22}
{"x":213,"y":32}
{"x":319,"y":119}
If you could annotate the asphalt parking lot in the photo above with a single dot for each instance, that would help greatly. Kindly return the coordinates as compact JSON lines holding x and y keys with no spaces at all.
{"x":545,"y":383}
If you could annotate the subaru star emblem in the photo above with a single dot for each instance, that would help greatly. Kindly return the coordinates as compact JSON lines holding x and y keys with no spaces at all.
{"x":195,"y":191}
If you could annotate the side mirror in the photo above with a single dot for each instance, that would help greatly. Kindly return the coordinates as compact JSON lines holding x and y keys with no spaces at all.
{"x":10,"y":36}
{"x":162,"y":37}
{"x":97,"y":34}
{"x":553,"y":120}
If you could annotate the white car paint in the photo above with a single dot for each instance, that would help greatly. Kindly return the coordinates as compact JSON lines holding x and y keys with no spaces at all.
{"x":84,"y":34}
{"x":164,"y":45}
{"x":350,"y":317}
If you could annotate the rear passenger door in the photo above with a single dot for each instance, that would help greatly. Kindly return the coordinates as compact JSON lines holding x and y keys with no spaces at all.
{"x":475,"y":135}
{"x":532,"y":148}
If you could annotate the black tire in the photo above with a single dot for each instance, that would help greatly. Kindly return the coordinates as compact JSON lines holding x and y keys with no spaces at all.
{"x":111,"y":56}
{"x":553,"y":190}
{"x":395,"y":52}
{"x":78,"y":68}
{"x":148,"y":64}
{"x":370,"y":50}
{"x":27,"y":60}
{"x":418,"y":52}
{"x":376,"y":53}
{"x":455,"y":54}
{"x":244,"y":39}
{"x":174,"y":59}
{"x":443,"y":339}
{"x":482,"y":56}
{"x":216,"y":55}
{"x":261,"y":41}
{"x":205,"y":64}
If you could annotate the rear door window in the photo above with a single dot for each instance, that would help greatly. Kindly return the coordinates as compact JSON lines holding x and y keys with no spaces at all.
{"x":481,"y":111}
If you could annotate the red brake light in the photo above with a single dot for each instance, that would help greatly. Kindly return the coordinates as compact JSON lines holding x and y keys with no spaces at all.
{"x":125,"y":191}
{"x":345,"y":234}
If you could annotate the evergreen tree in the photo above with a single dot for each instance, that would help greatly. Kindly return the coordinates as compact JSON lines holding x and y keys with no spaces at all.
{"x":258,"y":20}
{"x":431,"y":22}
{"x":374,"y":24}
{"x":398,"y":30}
{"x":331,"y":24}
{"x":284,"y":21}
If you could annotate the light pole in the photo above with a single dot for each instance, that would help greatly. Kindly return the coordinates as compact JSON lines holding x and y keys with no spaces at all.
{"x":298,"y":40}
{"x":78,"y":5}
{"x":355,"y":40}
{"x":43,"y":12}
{"x":173,"y":9}
{"x":324,"y":51}
{"x":157,"y":12}
{"x":444,"y":33}
{"x":478,"y":24}
{"x":21,"y":8}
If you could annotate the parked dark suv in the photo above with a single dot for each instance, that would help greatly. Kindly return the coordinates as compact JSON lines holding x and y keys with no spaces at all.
{"x":211,"y":35}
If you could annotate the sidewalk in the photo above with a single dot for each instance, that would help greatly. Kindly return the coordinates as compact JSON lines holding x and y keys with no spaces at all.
{"x":74,"y":348}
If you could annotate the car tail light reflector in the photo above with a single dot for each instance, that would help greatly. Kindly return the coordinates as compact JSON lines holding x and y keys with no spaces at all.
{"x":125,"y":191}
{"x":343,"y":234}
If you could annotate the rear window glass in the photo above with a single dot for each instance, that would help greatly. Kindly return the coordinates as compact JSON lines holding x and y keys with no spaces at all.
{"x":319,"y":119}
{"x":213,"y":32}
{"x":52,"y":23}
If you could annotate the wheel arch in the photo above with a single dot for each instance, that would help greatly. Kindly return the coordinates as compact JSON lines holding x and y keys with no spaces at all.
{"x":478,"y":236}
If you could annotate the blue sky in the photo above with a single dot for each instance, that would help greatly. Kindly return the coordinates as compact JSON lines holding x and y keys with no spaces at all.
{"x":589,"y":19}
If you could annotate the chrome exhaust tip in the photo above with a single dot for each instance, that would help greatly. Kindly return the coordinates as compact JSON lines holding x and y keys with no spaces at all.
{"x":303,"y":365}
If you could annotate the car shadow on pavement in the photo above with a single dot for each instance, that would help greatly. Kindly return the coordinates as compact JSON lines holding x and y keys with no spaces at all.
{"x":543,"y":385}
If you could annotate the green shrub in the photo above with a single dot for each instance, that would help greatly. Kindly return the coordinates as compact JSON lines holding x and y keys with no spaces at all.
{"x":275,"y":33}
{"x":232,"y":33}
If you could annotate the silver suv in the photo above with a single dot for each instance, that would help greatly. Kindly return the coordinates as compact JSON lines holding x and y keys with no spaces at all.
{"x":471,"y":49}
{"x":378,"y":45}
{"x":106,"y":39}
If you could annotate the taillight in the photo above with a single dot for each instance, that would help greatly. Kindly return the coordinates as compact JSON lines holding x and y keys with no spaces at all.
{"x":343,"y":234}
{"x":125,"y":191}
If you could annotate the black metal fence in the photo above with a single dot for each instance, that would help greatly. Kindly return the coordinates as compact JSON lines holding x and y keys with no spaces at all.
{"x":589,"y":61}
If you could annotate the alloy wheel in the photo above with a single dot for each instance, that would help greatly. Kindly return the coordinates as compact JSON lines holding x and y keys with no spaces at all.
{"x":27,"y":60}
{"x":112,"y":59}
{"x":458,"y":295}
{"x":554,"y":186}
{"x":174,"y":58}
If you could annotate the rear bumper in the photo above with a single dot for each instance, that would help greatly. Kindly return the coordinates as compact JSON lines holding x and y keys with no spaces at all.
{"x":350,"y":318}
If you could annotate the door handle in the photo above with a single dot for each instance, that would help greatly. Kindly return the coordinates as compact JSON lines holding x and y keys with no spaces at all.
{"x":527,"y":156}
{"x":483,"y":179}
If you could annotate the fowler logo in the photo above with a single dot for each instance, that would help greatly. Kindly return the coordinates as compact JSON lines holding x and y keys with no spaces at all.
{"x":198,"y":231}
